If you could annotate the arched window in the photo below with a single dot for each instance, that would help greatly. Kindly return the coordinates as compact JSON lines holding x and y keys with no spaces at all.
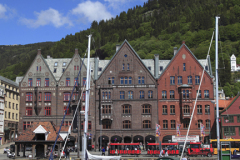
{"x":106,"y":124}
{"x":126,"y":124}
{"x":146,"y":108}
{"x":126,"y":109}
{"x":146,"y":124}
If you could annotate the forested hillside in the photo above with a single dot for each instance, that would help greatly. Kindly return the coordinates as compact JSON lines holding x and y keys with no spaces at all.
{"x":155,"y":28}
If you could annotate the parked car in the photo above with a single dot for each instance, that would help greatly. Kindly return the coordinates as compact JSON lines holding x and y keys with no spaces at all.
{"x":6,"y":149}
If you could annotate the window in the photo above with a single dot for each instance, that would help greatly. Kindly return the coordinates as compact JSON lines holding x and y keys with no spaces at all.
{"x":197,"y":79}
{"x":173,"y":124}
{"x":164,"y":109}
{"x":84,"y":80}
{"x":63,"y":70}
{"x":146,"y":124}
{"x":171,"y":94}
{"x":103,"y":95}
{"x":12,"y":115}
{"x":40,"y":96}
{"x":89,"y":125}
{"x":38,"y":82}
{"x":199,"y":94}
{"x":47,"y":96}
{"x":55,"y":64}
{"x":146,"y":109}
{"x":16,"y":116}
{"x":9,"y":106}
{"x":172,"y":109}
{"x":5,"y":114}
{"x":28,"y":97}
{"x":9,"y":95}
{"x":172,"y":80}
{"x":229,"y":131}
{"x":109,"y":95}
{"x":130,"y":80}
{"x":164,"y":94}
{"x":208,"y":124}
{"x":161,"y":68}
{"x":55,"y":70}
{"x":206,"y":93}
{"x":122,"y":95}
{"x":83,"y":95}
{"x":13,"y":106}
{"x":66,"y":96}
{"x":130,"y":94}
{"x":128,"y":66}
{"x":186,"y":123}
{"x":207,"y":109}
{"x":75,"y":81}
{"x":46,"y":82}
{"x":126,"y":124}
{"x":64,"y":64}
{"x":77,"y":67}
{"x":112,"y":80}
{"x":199,"y":123}
{"x":150,"y":94}
{"x":199,"y":109}
{"x":121,"y":80}
{"x":106,"y":124}
{"x":106,"y":109}
{"x":184,"y":66}
{"x":47,"y":111}
{"x":185,"y":94}
{"x":206,"y":68}
{"x":126,"y":109}
{"x":229,"y":119}
{"x":141,"y":80}
{"x":5,"y":104}
{"x":16,"y":106}
{"x":100,"y":69}
{"x":149,"y":68}
{"x":165,"y":124}
{"x":29,"y":82}
{"x":64,"y":111}
{"x":238,"y":119}
{"x":141,"y":94}
{"x":189,"y":79}
{"x":126,"y":80}
{"x":28,"y":111}
{"x":67,"y":81}
{"x":186,"y":110}
{"x":179,"y":79}
{"x":123,"y":65}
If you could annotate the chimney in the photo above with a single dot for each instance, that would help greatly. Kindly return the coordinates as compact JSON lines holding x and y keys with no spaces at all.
{"x":174,"y":50}
{"x":117,"y":47}
{"x":156,"y":65}
{"x":96,"y":61}
{"x":39,"y":51}
{"x":76,"y":51}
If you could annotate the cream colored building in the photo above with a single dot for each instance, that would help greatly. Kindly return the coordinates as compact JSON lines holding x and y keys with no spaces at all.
{"x":11,"y":109}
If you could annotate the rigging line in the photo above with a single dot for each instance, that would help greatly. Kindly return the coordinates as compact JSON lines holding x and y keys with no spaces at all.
{"x":80,"y":99}
{"x":197,"y":96}
{"x":76,"y":83}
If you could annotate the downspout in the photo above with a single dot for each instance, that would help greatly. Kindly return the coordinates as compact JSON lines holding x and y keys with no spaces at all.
{"x":56,"y":102}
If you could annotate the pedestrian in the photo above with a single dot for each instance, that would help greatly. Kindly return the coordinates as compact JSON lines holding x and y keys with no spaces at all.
{"x":103,"y":151}
{"x":166,"y":151}
{"x":184,"y":158}
{"x":67,"y":153}
{"x":161,"y":153}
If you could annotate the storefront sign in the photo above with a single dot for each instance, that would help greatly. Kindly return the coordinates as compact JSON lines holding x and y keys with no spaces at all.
{"x":192,"y":138}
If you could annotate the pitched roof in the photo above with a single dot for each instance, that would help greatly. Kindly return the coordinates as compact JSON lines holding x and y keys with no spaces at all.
{"x":230,"y":104}
{"x":9,"y":81}
{"x":29,"y":135}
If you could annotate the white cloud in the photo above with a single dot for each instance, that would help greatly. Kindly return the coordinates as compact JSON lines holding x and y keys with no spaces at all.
{"x":92,"y":11}
{"x":50,"y":16}
{"x":6,"y":12}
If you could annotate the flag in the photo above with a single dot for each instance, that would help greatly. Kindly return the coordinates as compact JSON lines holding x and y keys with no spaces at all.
{"x":202,"y":129}
{"x":178,"y":129}
{"x":158,"y":127}
{"x":226,"y":120}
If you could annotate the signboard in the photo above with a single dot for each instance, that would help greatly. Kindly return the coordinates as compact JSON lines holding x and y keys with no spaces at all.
{"x":192,"y":138}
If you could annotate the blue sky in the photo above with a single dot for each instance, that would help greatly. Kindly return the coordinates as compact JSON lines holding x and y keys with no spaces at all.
{"x":29,"y":21}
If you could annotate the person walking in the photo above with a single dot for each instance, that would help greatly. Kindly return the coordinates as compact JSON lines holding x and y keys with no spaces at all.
{"x":103,"y":151}
{"x":166,"y":151}
{"x":161,"y":153}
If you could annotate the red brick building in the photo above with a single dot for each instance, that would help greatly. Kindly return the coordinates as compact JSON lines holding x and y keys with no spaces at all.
{"x":230,"y":119}
{"x":177,"y":90}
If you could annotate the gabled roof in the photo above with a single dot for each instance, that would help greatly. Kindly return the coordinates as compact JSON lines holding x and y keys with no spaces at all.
{"x":9,"y":81}
{"x":28,"y":135}
{"x":230,"y":104}
{"x":125,"y":41}
{"x":40,"y":129}
{"x":183,"y":45}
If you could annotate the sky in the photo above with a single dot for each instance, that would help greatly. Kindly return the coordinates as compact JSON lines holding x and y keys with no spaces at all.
{"x":29,"y":21}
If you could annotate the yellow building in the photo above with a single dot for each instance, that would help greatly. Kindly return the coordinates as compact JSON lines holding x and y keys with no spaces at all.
{"x":11,"y":109}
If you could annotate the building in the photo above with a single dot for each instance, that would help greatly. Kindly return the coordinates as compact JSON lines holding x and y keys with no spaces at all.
{"x":126,"y":99}
{"x":2,"y":99}
{"x":233,"y":62}
{"x":178,"y":85}
{"x":46,"y":90}
{"x":230,"y":119}
{"x":11,"y":109}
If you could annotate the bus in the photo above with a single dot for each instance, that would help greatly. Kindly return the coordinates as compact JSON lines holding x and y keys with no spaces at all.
{"x":153,"y":148}
{"x":124,"y":149}
{"x":235,"y":144}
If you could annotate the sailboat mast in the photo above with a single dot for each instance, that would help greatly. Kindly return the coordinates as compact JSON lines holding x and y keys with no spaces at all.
{"x":87,"y":98}
{"x":216,"y":81}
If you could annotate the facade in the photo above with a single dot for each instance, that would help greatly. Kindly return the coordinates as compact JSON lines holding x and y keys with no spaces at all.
{"x":177,"y":90}
{"x":233,"y":62}
{"x":11,"y":109}
{"x":46,"y":89}
{"x":2,"y":91}
{"x":126,"y":100}
{"x":230,"y":119}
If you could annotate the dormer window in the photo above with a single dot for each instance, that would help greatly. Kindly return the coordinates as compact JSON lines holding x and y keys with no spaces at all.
{"x":40,"y":137}
{"x":100,"y":69}
{"x":40,"y":133}
{"x":55,"y":64}
{"x":149,"y":68}
{"x":55,"y":70}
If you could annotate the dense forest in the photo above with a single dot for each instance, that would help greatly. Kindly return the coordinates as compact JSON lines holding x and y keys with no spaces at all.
{"x":154,"y":28}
